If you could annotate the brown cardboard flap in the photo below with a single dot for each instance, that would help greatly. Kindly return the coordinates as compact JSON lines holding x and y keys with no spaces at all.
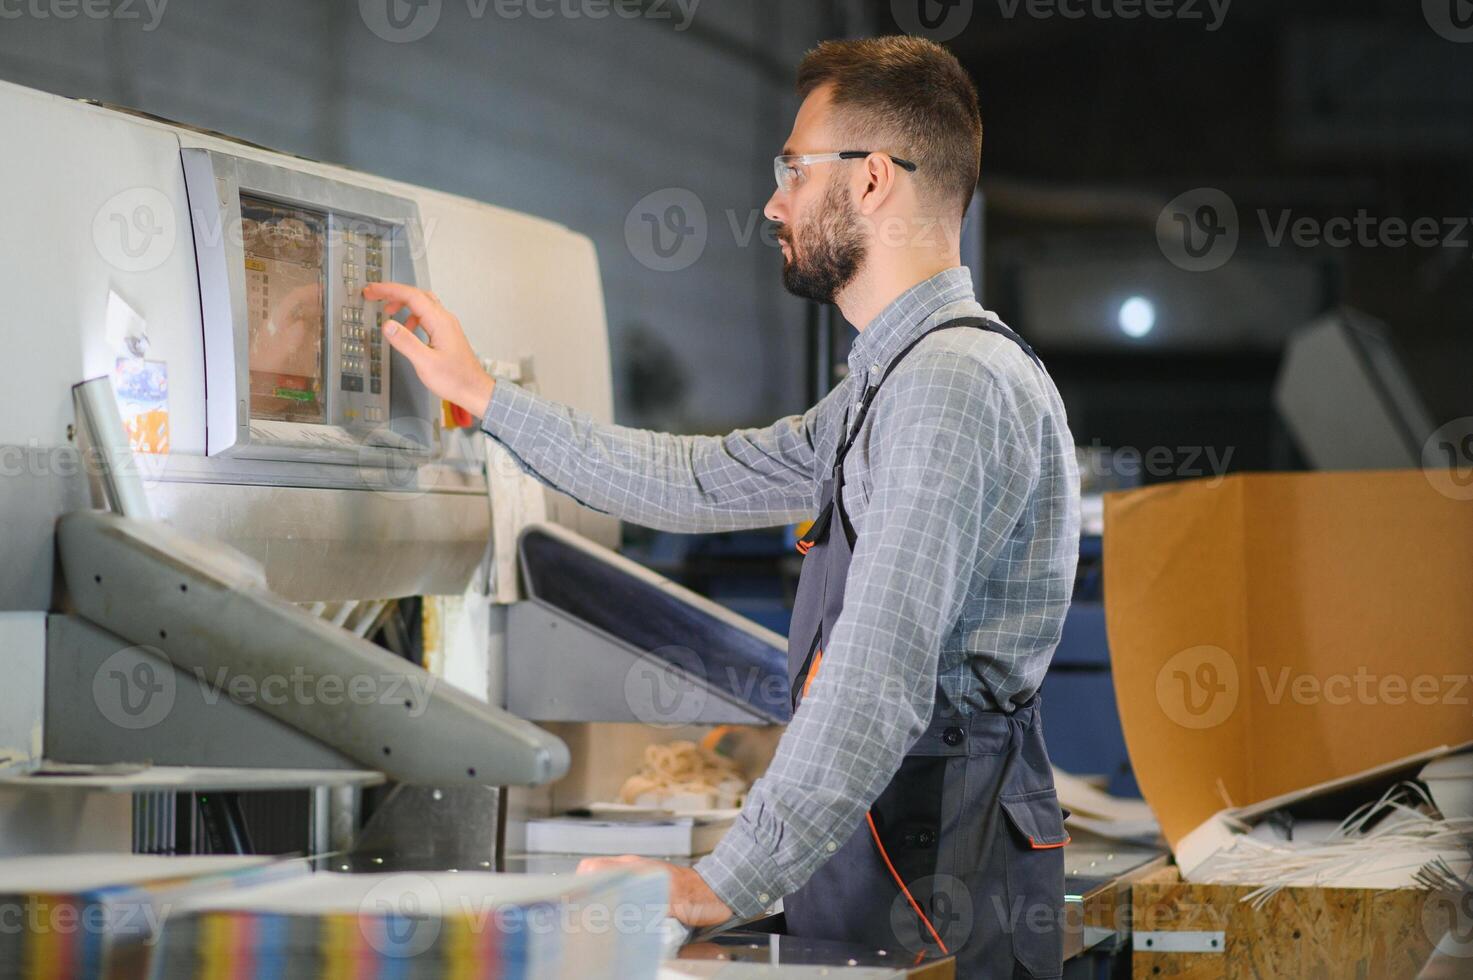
{"x":1272,"y":631}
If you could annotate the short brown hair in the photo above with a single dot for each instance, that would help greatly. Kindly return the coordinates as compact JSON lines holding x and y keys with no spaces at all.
{"x":907,"y":96}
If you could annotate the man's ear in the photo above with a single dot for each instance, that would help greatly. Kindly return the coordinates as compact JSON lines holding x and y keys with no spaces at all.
{"x":878,"y":172}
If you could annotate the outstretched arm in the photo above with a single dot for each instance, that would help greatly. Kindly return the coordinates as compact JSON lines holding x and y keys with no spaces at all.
{"x":748,"y":478}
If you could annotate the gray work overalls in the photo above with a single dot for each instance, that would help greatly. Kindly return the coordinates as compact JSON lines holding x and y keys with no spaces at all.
{"x":970,"y":823}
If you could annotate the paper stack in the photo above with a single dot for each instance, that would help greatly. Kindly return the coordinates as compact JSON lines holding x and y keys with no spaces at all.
{"x":79,"y":914}
{"x":424,"y":924}
{"x":616,"y":829}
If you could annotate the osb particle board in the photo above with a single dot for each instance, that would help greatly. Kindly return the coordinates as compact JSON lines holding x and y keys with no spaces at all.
{"x":1298,"y":933}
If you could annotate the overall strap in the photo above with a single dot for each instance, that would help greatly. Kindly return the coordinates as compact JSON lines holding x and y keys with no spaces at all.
{"x":981,"y":323}
{"x":821,"y":523}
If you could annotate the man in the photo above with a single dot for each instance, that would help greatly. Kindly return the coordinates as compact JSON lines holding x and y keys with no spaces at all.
{"x":910,"y":802}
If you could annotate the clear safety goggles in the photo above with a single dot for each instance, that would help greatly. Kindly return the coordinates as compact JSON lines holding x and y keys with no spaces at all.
{"x":791,"y":169}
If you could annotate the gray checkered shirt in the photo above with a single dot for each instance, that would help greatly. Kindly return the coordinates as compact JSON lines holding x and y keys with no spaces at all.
{"x":963,"y":489}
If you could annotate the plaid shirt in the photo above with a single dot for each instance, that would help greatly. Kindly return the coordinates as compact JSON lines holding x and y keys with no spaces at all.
{"x":963,"y":489}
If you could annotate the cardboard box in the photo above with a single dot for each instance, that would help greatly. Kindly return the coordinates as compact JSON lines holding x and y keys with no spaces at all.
{"x":1272,"y":632}
{"x":1277,"y":640}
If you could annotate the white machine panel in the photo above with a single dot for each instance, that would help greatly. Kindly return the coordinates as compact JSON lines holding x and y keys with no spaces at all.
{"x":182,"y":231}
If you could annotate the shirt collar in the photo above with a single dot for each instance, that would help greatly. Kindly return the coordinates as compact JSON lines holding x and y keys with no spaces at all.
{"x":906,"y":317}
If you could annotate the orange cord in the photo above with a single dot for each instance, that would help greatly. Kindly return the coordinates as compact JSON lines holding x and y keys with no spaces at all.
{"x":901,"y":882}
{"x":875,"y":833}
{"x":812,"y":671}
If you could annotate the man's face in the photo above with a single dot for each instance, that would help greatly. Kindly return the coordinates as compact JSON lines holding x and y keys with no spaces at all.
{"x":819,"y":229}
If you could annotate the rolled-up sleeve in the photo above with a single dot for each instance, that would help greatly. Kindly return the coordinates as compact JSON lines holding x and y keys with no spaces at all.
{"x":748,"y":478}
{"x":954,"y":467}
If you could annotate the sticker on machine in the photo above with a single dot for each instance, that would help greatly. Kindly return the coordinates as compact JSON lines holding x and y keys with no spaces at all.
{"x":143,"y":400}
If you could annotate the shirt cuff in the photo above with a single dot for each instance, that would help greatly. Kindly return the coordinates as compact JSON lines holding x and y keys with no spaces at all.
{"x":510,"y":409}
{"x":741,"y":874}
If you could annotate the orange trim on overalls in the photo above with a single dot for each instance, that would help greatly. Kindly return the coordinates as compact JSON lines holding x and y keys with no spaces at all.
{"x":875,"y":833}
{"x":1048,"y":847}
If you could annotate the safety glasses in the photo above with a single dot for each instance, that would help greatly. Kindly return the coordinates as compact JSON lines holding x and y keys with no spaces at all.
{"x":791,"y":169}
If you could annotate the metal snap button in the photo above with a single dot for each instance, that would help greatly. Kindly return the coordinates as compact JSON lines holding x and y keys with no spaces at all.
{"x":953,"y":736}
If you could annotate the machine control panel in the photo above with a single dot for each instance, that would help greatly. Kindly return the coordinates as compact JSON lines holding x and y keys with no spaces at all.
{"x":294,"y":354}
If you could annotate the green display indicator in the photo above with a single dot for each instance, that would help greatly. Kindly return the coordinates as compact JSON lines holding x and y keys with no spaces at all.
{"x":296,"y":394}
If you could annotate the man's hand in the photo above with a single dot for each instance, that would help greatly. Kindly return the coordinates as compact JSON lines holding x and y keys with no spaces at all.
{"x":691,"y":900}
{"x":446,"y":364}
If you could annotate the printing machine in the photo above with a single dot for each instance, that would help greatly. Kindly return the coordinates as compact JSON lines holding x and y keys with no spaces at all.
{"x":217,"y":483}
{"x":200,"y":538}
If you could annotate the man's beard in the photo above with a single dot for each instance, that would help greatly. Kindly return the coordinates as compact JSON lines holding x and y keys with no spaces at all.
{"x":832,"y":248}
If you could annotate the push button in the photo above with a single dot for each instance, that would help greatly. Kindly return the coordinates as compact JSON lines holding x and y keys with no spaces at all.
{"x":953,"y":736}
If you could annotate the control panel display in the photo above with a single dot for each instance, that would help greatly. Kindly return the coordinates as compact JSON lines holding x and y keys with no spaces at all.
{"x":316,"y":350}
{"x":285,"y":248}
{"x":296,"y":368}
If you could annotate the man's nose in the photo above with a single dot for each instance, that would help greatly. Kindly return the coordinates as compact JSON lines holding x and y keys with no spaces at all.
{"x":776,"y":208}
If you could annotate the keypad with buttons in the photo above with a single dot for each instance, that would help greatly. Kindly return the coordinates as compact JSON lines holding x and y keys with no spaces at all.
{"x":363,"y":377}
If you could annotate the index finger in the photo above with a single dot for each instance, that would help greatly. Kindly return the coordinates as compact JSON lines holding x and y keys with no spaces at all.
{"x":420,"y":303}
